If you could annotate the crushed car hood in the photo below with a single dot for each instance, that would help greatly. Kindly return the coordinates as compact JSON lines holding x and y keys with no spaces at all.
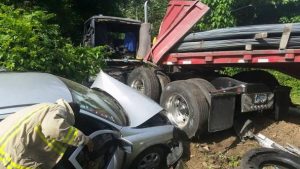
{"x":138,"y":107}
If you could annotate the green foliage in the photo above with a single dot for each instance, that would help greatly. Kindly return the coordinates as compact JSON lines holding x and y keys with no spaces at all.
{"x":284,"y":1}
{"x":135,"y":9}
{"x":296,"y":99}
{"x":230,"y":71}
{"x":220,"y":15}
{"x":234,"y":161}
{"x":266,"y":11}
{"x":156,"y":13}
{"x":286,"y":80}
{"x":290,"y":20}
{"x":71,"y":14}
{"x":30,"y":43}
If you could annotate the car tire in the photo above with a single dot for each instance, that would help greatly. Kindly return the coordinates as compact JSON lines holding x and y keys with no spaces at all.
{"x":186,"y":106}
{"x":257,"y":76}
{"x":151,"y":158}
{"x":263,"y":157}
{"x":145,"y":81}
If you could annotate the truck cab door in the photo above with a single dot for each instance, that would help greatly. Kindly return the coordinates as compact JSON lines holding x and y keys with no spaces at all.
{"x":109,"y":151}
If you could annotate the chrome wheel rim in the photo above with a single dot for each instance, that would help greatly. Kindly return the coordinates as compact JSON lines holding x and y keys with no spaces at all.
{"x":150,"y":161}
{"x":138,"y":85}
{"x":179,"y":110}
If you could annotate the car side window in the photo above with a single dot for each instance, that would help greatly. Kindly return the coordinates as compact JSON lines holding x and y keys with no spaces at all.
{"x":88,"y":124}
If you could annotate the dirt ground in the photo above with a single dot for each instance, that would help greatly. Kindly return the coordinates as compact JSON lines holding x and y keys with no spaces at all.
{"x":223,"y":150}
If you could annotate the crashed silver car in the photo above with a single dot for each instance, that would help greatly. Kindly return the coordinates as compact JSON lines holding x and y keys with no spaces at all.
{"x":129,"y":130}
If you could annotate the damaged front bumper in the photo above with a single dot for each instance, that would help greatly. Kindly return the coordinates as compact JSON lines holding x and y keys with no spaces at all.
{"x":175,"y":154}
{"x":176,"y":148}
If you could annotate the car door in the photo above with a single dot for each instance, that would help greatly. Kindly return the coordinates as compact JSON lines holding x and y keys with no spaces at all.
{"x":109,"y":151}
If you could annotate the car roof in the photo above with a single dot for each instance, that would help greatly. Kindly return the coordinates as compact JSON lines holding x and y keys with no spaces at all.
{"x":15,"y":89}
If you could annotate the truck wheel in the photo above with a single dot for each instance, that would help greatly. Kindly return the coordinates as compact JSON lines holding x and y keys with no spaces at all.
{"x":269,"y":158}
{"x":163,"y":80}
{"x":145,"y":81}
{"x":186,"y":106}
{"x":257,"y":76}
{"x":205,"y":87}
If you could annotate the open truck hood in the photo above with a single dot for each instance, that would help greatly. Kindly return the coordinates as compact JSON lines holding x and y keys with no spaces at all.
{"x":138,"y":107}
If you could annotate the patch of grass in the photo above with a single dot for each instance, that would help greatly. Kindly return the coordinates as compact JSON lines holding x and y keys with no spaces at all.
{"x":234,"y":161}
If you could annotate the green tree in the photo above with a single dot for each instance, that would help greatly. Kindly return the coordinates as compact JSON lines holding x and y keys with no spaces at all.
{"x":70,"y":14}
{"x":266,"y":11}
{"x":135,"y":9}
{"x":220,"y":15}
{"x":30,"y":43}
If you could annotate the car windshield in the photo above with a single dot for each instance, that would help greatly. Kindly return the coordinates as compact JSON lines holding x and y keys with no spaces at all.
{"x":97,"y":102}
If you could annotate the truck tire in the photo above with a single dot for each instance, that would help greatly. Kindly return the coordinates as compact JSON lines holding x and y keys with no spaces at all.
{"x":205,"y":86}
{"x":145,"y":81}
{"x":266,"y":157}
{"x":186,"y":106}
{"x":257,"y":76}
{"x":163,"y":80}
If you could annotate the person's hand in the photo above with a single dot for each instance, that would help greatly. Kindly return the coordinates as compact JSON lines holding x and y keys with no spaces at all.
{"x":90,"y":145}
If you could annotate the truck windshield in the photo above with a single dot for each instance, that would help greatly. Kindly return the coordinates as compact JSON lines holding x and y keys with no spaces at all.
{"x":97,"y":102}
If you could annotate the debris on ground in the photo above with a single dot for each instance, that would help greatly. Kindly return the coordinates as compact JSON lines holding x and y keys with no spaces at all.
{"x":223,"y":150}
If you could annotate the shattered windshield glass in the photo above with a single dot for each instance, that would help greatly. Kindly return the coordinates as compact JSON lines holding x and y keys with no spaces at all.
{"x":97,"y":102}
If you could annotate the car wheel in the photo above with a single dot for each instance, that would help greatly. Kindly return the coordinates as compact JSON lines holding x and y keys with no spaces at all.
{"x":145,"y":81}
{"x":186,"y":106}
{"x":263,"y":158}
{"x":152,"y":158}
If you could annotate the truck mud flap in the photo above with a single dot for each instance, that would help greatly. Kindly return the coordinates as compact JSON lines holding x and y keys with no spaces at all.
{"x":282,"y":101}
{"x":221,"y":116}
